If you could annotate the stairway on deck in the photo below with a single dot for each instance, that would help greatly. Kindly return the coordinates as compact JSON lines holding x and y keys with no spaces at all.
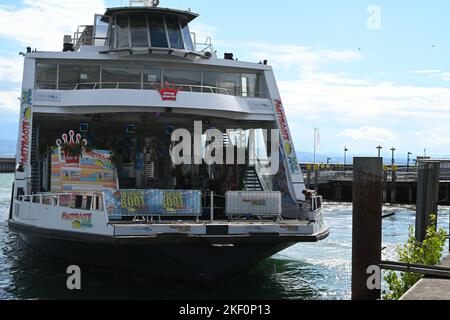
{"x":251,"y":180}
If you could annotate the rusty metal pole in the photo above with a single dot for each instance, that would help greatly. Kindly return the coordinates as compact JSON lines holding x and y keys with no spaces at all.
{"x":367,"y":212}
{"x":427,"y":196}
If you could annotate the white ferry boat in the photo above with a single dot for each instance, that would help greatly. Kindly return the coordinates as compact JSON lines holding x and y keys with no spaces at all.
{"x":97,"y":179}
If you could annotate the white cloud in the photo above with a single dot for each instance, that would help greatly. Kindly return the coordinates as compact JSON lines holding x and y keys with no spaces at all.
{"x":312,"y":98}
{"x":41,"y":24}
{"x":335,"y":101}
{"x":434,"y":74}
{"x":203,"y":31}
{"x":9,"y":101}
{"x":304,"y":59}
{"x":431,"y":71}
{"x":436,"y":137}
{"x":11,"y":69}
{"x":369,"y":134}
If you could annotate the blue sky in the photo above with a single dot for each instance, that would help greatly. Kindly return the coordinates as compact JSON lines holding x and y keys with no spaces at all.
{"x":362,"y":87}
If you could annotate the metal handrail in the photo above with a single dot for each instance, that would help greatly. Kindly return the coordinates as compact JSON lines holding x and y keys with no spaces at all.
{"x":56,"y":196}
{"x":117,"y":85}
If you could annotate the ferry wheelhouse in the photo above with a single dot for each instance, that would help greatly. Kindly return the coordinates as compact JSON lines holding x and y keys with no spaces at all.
{"x":97,"y":178}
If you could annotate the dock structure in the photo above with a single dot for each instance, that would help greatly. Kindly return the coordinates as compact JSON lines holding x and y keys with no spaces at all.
{"x":399,"y":183}
{"x":431,"y":288}
{"x":7,"y":165}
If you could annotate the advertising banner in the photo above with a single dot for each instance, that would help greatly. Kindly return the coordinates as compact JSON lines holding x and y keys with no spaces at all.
{"x":152,"y":202}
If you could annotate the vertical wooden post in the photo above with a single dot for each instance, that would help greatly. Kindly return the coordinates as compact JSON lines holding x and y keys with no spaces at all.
{"x":367,"y":212}
{"x":427,"y":196}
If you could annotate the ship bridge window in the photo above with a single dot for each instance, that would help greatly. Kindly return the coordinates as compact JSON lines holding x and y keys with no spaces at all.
{"x":174,"y":32}
{"x":121,"y":29}
{"x":46,"y":76}
{"x":139,"y":34}
{"x":101,"y":30}
{"x":157,"y":31}
{"x":121,"y":78}
{"x":186,"y":35}
{"x":187,"y":80}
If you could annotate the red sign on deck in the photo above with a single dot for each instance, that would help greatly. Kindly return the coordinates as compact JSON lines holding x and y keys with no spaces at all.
{"x":169,"y":93}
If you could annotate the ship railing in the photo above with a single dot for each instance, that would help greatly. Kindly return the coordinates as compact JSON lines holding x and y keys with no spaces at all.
{"x":147,"y":86}
{"x":84,"y":36}
{"x":213,"y":209}
{"x":84,"y":201}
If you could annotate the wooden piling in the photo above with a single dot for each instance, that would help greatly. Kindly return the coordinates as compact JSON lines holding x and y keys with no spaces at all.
{"x":367,"y":212}
{"x":427,"y":196}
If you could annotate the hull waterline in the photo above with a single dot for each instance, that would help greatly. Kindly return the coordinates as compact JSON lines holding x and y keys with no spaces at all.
{"x":198,"y":259}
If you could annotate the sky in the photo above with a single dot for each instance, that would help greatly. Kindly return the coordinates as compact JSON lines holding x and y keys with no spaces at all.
{"x":366,"y":73}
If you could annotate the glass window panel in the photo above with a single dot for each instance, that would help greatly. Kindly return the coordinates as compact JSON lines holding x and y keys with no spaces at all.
{"x":101,"y":30}
{"x":122,"y":35}
{"x":139,"y":35}
{"x":187,"y":80}
{"x":46,"y":76}
{"x":158,"y":35}
{"x":69,"y":76}
{"x":121,"y":78}
{"x":75,"y":77}
{"x":250,"y":85}
{"x":174,"y":32}
{"x":89,"y":77}
{"x":187,"y":35}
{"x":224,"y":83}
{"x":152,"y":78}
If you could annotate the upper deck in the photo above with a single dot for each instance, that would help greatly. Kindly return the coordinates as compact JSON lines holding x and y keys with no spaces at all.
{"x":142,"y":50}
{"x":130,"y":55}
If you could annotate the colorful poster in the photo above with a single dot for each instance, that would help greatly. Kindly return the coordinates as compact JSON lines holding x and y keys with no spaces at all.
{"x":92,"y":171}
{"x":152,"y":202}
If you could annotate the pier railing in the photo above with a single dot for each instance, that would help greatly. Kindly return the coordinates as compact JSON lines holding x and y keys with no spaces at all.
{"x":400,"y":176}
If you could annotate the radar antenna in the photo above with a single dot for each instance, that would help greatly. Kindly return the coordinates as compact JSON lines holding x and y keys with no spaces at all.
{"x":146,"y":3}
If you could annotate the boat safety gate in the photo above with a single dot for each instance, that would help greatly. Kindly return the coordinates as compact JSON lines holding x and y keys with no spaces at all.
{"x":253,"y":203}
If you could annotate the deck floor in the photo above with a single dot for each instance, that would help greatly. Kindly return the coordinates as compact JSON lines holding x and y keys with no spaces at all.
{"x":431,"y":288}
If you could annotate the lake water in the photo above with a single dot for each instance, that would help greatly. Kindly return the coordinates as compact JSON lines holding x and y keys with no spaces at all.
{"x":306,"y":271}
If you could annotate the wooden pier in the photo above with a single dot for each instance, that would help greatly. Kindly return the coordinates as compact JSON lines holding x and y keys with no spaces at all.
{"x":7,"y":165}
{"x":335,"y":182}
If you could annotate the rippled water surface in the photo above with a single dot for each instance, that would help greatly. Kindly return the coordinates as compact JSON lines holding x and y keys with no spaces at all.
{"x":305,"y":271}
